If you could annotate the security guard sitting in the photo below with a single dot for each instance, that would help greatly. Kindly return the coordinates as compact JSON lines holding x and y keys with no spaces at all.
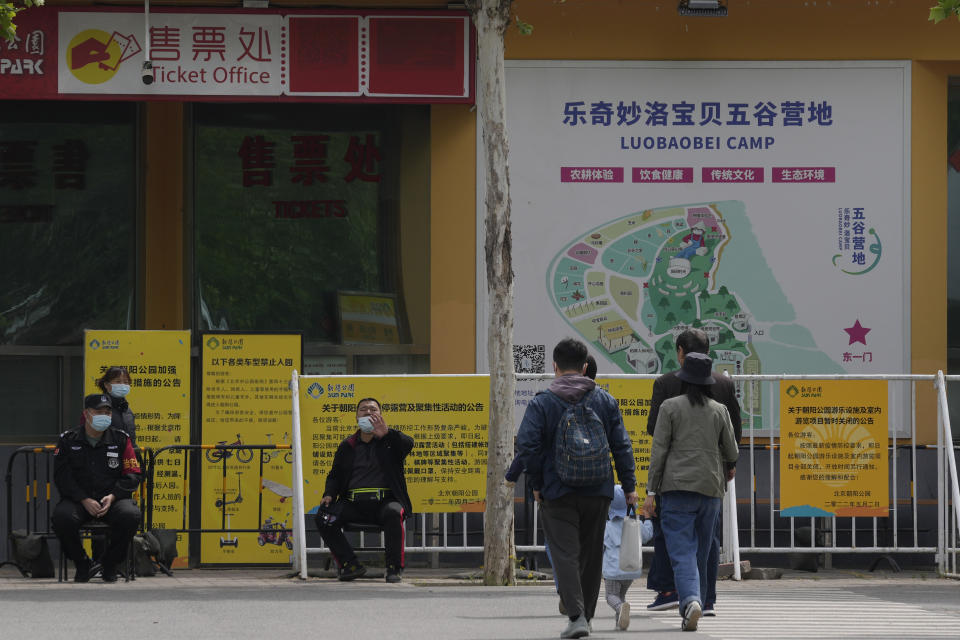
{"x":366,"y":484}
{"x":96,"y":471}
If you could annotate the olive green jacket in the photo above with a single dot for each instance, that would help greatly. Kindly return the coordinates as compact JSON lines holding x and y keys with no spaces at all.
{"x":690,"y":446}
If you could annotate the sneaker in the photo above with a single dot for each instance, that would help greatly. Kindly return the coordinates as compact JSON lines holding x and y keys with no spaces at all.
{"x":393,"y":575}
{"x":623,"y":616}
{"x":563,"y":609}
{"x":665,"y":600}
{"x":578,"y":628}
{"x":351,"y":571}
{"x":709,"y":611}
{"x":691,"y":615}
{"x":109,"y":574}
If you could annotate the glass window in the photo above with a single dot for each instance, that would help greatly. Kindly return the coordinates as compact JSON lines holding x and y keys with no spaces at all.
{"x":953,"y":250}
{"x":68,"y":203}
{"x":296,"y":204}
{"x":41,"y":394}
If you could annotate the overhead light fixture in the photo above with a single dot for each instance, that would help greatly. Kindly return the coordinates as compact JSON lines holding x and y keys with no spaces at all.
{"x":256,"y":4}
{"x":702,"y":8}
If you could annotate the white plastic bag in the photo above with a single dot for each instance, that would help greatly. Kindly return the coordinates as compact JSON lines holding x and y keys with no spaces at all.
{"x":631,"y":556}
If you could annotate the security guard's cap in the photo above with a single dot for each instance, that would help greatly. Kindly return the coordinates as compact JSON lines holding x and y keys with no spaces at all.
{"x":96,"y":400}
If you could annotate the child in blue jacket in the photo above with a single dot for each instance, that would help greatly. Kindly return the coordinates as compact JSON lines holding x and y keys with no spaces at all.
{"x":616,"y":582}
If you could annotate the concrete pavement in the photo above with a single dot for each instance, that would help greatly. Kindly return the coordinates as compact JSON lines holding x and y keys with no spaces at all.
{"x":266,"y":603}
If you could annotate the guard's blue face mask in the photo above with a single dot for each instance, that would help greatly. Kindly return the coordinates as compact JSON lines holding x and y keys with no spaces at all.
{"x":100,"y":422}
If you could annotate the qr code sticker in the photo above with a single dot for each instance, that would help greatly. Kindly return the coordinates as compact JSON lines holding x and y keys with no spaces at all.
{"x":528,"y":358}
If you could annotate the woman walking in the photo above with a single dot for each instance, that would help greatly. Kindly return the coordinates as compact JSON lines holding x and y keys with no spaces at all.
{"x":692,"y":441}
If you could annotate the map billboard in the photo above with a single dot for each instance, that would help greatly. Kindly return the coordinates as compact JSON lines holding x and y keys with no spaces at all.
{"x":764,"y":202}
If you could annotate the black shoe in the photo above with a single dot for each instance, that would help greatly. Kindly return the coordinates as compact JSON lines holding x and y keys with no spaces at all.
{"x":109,"y":574}
{"x":85,"y":570}
{"x":352,"y":570}
{"x":393,"y":575}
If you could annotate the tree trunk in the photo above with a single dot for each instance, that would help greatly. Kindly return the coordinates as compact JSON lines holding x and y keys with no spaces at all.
{"x":492,"y":17}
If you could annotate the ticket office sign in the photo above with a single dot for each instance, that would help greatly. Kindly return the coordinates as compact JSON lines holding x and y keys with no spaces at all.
{"x":447,"y":418}
{"x":159,"y":367}
{"x":246,"y":400}
{"x":833,"y":454}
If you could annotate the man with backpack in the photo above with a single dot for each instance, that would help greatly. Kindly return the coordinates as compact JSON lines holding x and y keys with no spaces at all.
{"x":565,"y":442}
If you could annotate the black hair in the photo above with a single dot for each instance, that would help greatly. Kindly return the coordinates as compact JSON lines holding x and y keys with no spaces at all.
{"x":696,"y":393}
{"x":367,"y":400}
{"x":693,"y":341}
{"x":111,"y":373}
{"x":570,"y":355}
{"x":591,"y":368}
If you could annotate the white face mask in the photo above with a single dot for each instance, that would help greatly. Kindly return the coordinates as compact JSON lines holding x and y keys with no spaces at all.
{"x":365,"y":424}
{"x":100,"y":422}
{"x":118,"y":390}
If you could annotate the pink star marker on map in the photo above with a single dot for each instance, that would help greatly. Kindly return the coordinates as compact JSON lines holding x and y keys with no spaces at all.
{"x":857,"y":333}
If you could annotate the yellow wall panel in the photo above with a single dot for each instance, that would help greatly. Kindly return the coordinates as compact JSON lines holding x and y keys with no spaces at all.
{"x":163,"y":290}
{"x":453,"y":259}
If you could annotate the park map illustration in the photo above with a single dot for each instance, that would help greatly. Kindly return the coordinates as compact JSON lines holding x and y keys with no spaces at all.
{"x":630,"y":286}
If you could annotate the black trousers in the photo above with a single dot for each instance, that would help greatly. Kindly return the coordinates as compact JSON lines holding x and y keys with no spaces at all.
{"x":574,"y":527}
{"x":387,"y":513}
{"x":123,"y":518}
{"x":660,"y":574}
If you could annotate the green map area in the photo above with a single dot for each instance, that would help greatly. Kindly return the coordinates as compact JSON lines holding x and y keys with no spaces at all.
{"x":630,"y":286}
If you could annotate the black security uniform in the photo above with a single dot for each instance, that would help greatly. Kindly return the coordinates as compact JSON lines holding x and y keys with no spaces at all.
{"x":82,"y":470}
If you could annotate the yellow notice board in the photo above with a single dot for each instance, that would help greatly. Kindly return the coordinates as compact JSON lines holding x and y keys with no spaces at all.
{"x":446,"y":417}
{"x":159,"y":366}
{"x":246,"y":400}
{"x":833,"y":448}
{"x":633,"y":397}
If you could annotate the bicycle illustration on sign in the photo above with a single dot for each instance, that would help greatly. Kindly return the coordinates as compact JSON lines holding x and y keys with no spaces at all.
{"x":216,"y":455}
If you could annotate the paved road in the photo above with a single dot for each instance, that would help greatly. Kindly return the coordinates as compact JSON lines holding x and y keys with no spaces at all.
{"x":240,"y":604}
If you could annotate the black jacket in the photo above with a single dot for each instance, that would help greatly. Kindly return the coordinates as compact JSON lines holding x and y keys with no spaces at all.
{"x":122,"y":418}
{"x":81,"y":471}
{"x":670,"y":386}
{"x":536,"y":438}
{"x":391,"y":450}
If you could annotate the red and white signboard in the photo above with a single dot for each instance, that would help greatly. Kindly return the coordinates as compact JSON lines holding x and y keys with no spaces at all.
{"x":256,"y":55}
{"x":194,"y":54}
{"x":28,"y":63}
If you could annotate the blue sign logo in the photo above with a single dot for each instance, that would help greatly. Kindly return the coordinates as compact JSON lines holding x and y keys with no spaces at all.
{"x":315,"y":390}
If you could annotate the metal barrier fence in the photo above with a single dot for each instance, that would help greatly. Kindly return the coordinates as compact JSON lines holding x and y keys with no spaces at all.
{"x":901,"y":531}
{"x":214,"y":453}
{"x":764,"y":530}
{"x":36,"y":480}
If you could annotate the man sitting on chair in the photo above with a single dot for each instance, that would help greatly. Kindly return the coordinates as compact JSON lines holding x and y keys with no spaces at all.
{"x":366,"y":485}
{"x":96,"y":471}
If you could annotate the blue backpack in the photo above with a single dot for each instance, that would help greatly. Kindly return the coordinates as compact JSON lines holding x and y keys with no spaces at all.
{"x":581,"y":452}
